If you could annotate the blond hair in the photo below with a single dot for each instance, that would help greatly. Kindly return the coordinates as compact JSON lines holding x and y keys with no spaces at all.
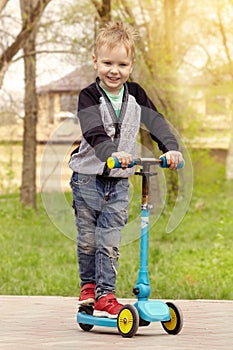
{"x":115,"y":33}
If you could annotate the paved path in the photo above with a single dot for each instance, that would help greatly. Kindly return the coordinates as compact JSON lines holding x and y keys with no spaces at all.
{"x":50,"y":323}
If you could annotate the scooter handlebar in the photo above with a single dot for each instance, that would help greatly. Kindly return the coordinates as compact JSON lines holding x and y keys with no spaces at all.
{"x":113,"y":162}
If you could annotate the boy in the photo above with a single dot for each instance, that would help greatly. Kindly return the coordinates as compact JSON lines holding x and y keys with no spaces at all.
{"x":110,"y":111}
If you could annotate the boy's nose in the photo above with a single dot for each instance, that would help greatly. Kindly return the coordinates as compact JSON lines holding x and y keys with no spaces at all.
{"x":114,"y":70}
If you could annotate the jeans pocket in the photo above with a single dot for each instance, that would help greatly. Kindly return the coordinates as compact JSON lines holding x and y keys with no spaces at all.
{"x":80,"y":179}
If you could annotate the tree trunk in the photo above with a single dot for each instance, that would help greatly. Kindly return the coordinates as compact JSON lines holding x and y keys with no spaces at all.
{"x":229,"y":160}
{"x":28,"y":185}
{"x":103,"y":11}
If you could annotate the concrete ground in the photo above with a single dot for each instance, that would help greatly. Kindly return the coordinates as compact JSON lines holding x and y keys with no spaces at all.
{"x":41,"y":322}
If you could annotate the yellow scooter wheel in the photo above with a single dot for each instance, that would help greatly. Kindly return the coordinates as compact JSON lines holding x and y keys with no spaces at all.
{"x":128,"y":321}
{"x":175,"y":324}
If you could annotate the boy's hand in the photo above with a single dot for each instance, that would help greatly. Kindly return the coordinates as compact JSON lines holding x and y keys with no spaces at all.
{"x":124,"y":158}
{"x":173,"y":158}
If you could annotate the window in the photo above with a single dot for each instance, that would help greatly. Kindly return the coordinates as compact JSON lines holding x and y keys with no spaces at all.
{"x":68,"y":103}
{"x":51,"y":109}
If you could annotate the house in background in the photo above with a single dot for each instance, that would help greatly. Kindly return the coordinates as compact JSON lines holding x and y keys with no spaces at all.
{"x":58,"y":128}
{"x":208,"y":98}
{"x":211,"y":98}
{"x":58,"y":101}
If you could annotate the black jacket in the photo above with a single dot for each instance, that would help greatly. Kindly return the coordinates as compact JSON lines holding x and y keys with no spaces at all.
{"x":104,"y":134}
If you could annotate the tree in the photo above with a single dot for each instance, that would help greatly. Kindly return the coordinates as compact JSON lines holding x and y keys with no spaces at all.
{"x":103,"y":9}
{"x":226,"y":42}
{"x":31,"y":12}
{"x":28,"y":185}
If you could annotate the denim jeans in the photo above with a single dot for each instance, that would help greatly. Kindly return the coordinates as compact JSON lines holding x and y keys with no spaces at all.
{"x":101,"y":211}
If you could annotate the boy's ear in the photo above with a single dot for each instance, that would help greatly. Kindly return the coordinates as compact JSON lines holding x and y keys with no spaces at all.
{"x":94,"y":59}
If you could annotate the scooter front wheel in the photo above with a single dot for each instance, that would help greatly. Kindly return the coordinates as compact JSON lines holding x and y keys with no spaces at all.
{"x":128,"y":321}
{"x":175,"y":324}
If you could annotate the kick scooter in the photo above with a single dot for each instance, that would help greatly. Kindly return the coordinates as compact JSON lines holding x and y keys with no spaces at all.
{"x":144,"y":311}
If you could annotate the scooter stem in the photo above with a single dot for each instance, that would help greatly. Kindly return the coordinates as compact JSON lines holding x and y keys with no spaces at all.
{"x":142,"y":287}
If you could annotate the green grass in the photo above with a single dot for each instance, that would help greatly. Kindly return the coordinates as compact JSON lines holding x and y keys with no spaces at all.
{"x":36,"y":258}
{"x":194,"y":261}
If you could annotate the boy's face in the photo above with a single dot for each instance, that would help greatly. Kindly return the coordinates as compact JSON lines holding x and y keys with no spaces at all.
{"x":113,"y":67}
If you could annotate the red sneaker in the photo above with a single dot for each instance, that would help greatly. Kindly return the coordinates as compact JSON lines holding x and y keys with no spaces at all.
{"x":107,"y":306}
{"x":87,"y":295}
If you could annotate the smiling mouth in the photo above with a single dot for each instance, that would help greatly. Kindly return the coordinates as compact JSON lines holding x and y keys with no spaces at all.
{"x":113,"y":78}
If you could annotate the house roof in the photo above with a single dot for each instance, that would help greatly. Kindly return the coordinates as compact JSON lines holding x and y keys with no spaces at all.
{"x":72,"y":82}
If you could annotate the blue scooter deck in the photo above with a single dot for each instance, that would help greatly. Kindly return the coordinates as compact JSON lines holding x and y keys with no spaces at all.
{"x":148,"y":310}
